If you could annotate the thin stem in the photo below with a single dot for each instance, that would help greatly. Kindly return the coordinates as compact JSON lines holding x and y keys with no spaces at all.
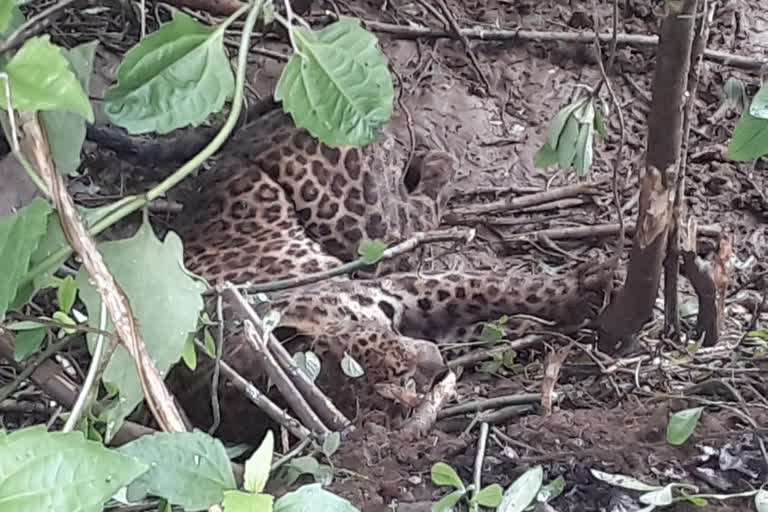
{"x":90,"y":378}
{"x":29,"y":369}
{"x":13,"y":139}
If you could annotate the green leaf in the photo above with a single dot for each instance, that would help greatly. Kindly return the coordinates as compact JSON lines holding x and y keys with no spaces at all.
{"x":351,"y":367}
{"x":491,"y":366}
{"x":759,"y":106}
{"x":750,"y":138}
{"x":522,"y":491}
{"x":443,"y":474}
{"x":566,"y":148}
{"x":25,"y":325}
{"x":20,"y":235}
{"x":339,"y":87}
{"x":585,"y":114}
{"x":489,"y":496}
{"x":623,"y":481}
{"x":66,"y":130}
{"x":761,"y":500}
{"x":66,"y":293}
{"x":52,"y":241}
{"x":448,"y":501}
{"x":7,"y":8}
{"x":545,"y":157}
{"x":210,"y":344}
{"x":64,"y":318}
{"x":371,"y":251}
{"x":189,"y":355}
{"x":45,"y":471}
{"x":599,"y":123}
{"x":238,"y":501}
{"x":660,"y":497}
{"x":696,"y":500}
{"x":492,"y":333}
{"x":27,"y":342}
{"x":735,"y":93}
{"x":173,"y":78}
{"x":682,"y":424}
{"x":309,"y":363}
{"x":258,"y":465}
{"x":165,"y":300}
{"x":312,"y":498}
{"x":42,"y":80}
{"x":189,"y":469}
{"x":551,"y":490}
{"x":559,"y":122}
{"x":331,"y":443}
{"x":584,"y":149}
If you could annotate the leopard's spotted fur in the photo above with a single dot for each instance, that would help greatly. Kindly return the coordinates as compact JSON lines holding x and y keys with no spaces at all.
{"x":280,"y":204}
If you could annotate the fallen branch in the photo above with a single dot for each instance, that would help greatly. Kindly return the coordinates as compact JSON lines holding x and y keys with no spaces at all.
{"x":260,"y":400}
{"x":477,"y":356}
{"x":475,"y":406}
{"x":261,"y":344}
{"x":636,"y":40}
{"x":442,"y":235}
{"x":595,"y":231}
{"x":159,"y":399}
{"x":520,"y":202}
{"x":425,"y":415}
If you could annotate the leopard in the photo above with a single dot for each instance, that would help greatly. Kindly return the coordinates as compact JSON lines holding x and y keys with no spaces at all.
{"x":279,"y":204}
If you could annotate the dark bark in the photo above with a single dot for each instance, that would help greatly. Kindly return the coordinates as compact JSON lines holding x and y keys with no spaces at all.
{"x":672,"y":260}
{"x":633,"y":305}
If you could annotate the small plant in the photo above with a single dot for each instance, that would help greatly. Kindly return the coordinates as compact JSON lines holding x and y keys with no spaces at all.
{"x":445,"y":475}
{"x":682,"y":424}
{"x":659,"y":496}
{"x":571,"y":137}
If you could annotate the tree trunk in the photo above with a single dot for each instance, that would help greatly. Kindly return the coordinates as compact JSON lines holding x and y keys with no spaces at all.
{"x":633,"y":306}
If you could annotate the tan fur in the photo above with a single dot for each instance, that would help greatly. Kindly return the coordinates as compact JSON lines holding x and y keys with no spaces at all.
{"x":279,"y":204}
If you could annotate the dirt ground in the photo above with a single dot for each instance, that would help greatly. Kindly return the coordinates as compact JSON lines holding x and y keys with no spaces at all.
{"x":494,"y":137}
{"x":613,"y":420}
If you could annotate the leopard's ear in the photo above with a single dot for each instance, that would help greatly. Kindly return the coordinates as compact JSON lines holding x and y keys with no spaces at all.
{"x":430,"y":173}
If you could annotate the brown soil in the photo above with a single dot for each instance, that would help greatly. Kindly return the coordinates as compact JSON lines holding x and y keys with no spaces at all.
{"x":495,"y":137}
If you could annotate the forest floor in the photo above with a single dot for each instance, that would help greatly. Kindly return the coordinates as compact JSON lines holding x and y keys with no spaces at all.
{"x":612,"y":417}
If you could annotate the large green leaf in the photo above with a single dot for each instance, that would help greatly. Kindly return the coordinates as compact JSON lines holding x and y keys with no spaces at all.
{"x":8,"y":11}
{"x":238,"y":501}
{"x":258,"y":465}
{"x":682,"y":424}
{"x":443,"y":474}
{"x":20,"y":235}
{"x":750,"y":138}
{"x":41,"y":79}
{"x":566,"y":148}
{"x":489,"y":496}
{"x":66,"y":131}
{"x":339,"y":87}
{"x":173,"y":78}
{"x":165,"y":300}
{"x":312,"y":498}
{"x":189,"y":469}
{"x":559,"y":121}
{"x":522,"y":492}
{"x":447,"y":502}
{"x":51,"y":242}
{"x":53,"y":471}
